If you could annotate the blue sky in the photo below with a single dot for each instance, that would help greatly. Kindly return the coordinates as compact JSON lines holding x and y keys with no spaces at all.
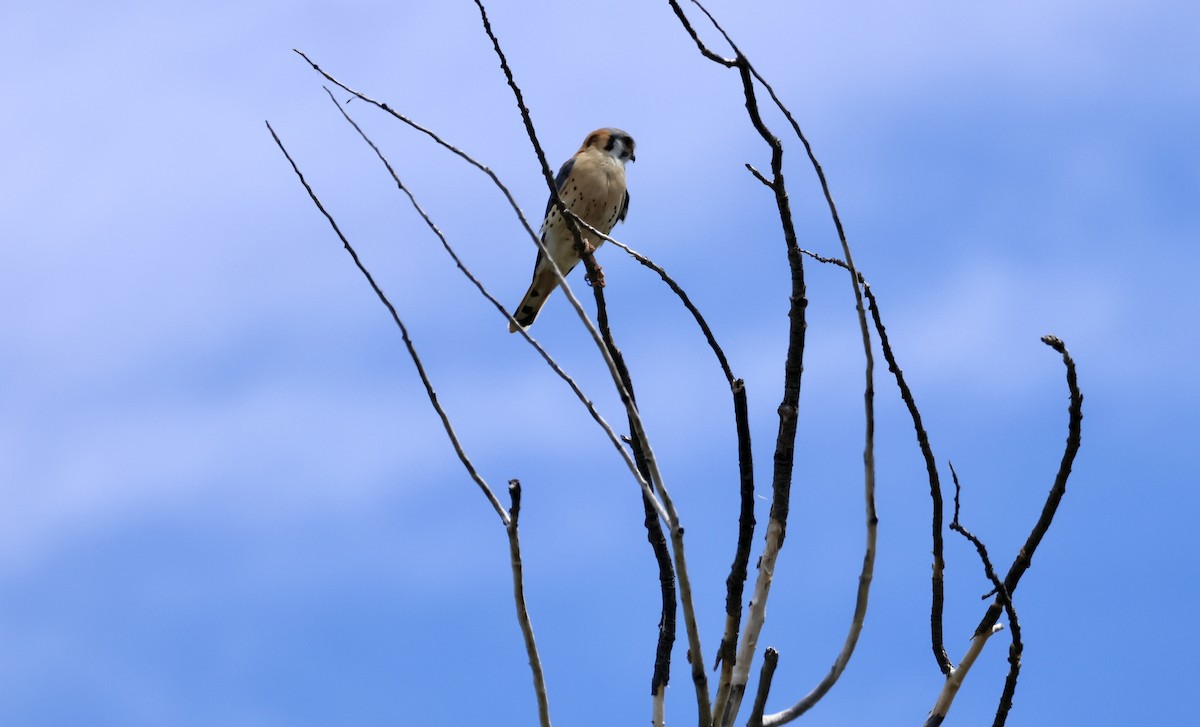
{"x":224,"y":498}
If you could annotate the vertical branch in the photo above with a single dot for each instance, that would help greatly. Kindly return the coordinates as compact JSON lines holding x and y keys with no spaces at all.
{"x":514,"y":549}
{"x":789,"y":408}
{"x":622,"y":381}
{"x":766,"y":675}
{"x":736,"y":580}
{"x":935,"y":487}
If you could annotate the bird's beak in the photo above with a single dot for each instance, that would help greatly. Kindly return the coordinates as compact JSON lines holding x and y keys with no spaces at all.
{"x":632,"y":157}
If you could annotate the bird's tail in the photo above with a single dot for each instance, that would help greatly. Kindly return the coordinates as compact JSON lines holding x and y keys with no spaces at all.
{"x":529,"y":306}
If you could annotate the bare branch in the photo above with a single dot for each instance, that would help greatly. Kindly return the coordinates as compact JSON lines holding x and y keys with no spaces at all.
{"x":1025,"y":556}
{"x":1021,"y":563}
{"x":514,"y":550}
{"x":735,"y":582}
{"x":935,"y":488}
{"x":1014,"y":651}
{"x":687,"y":25}
{"x":758,"y":175}
{"x":789,"y":409}
{"x":621,"y":380}
{"x":412,"y":351}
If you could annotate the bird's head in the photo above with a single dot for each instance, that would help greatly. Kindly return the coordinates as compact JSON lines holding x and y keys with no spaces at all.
{"x":614,"y":142}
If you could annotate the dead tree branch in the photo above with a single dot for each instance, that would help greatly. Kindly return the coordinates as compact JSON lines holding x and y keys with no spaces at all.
{"x":730,"y":693}
{"x":735,"y":582}
{"x":1024,"y":558}
{"x":623,"y":384}
{"x":1015,"y":649}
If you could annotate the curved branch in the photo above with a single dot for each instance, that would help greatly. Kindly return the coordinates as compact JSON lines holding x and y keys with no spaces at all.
{"x":989,"y":625}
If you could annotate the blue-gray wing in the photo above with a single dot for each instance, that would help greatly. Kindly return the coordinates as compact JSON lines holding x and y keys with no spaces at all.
{"x":559,"y":180}
{"x":624,"y":208}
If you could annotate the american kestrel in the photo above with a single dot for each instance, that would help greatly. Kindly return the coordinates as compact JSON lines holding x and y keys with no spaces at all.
{"x":592,"y":185}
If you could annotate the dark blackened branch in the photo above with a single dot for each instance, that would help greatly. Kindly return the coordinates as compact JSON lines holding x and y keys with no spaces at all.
{"x":770,"y":661}
{"x":704,"y":50}
{"x":789,"y":409}
{"x":514,"y":549}
{"x":594,"y":275}
{"x":695,"y":659}
{"x":935,"y":489}
{"x":1004,"y":593}
{"x":661,"y":675}
{"x":980,"y":548}
{"x":1014,"y":668}
{"x":830,"y":261}
{"x":735,"y":582}
{"x":1016,"y":647}
{"x":1074,"y":432}
{"x":412,"y":351}
{"x":816,"y":165}
{"x":935,"y":486}
{"x":622,"y":381}
{"x":731,"y":689}
{"x":758,"y":175}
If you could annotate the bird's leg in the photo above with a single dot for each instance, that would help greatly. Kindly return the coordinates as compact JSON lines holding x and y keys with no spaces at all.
{"x":588,"y":249}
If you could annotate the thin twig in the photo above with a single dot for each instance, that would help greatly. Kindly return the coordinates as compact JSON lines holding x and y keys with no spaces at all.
{"x":412,"y":351}
{"x":514,"y":550}
{"x":1015,"y":649}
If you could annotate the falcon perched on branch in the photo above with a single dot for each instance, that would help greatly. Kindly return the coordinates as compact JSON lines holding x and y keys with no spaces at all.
{"x":592,"y":185}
